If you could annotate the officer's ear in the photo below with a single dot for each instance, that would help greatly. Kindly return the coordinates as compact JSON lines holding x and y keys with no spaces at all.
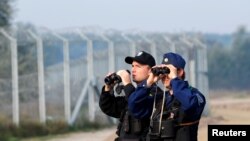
{"x":181,"y":73}
{"x":149,"y":69}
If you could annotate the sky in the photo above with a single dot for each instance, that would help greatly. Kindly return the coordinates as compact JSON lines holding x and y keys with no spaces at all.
{"x":207,"y":16}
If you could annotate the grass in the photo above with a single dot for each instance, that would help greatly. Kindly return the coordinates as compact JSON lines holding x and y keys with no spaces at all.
{"x":34,"y":131}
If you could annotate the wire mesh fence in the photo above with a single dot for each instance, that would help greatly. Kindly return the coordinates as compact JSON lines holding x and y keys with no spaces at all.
{"x":47,"y":75}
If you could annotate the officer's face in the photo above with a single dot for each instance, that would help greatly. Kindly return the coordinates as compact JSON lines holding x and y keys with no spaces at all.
{"x":166,"y":81}
{"x":140,"y":72}
{"x":167,"y":78}
{"x":174,"y":72}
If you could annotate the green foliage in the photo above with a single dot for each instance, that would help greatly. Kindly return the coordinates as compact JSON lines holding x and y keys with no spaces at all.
{"x":240,"y":55}
{"x":31,"y":129}
{"x":6,"y":12}
{"x":219,"y":66}
{"x":11,"y":132}
{"x":5,"y":59}
{"x":229,"y":67}
{"x":27,"y":50}
{"x":57,"y":127}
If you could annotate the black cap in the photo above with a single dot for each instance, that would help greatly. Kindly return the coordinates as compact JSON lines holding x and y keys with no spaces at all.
{"x":143,"y":58}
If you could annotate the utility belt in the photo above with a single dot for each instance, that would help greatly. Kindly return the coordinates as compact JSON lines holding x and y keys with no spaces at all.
{"x":168,"y":128}
{"x":132,"y":125}
{"x":131,"y":129}
{"x":163,"y":129}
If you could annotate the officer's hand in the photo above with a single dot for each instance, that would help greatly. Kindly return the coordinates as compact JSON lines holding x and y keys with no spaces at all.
{"x":125,"y":76}
{"x":152,"y":79}
{"x":108,"y":87}
{"x":173,"y":71}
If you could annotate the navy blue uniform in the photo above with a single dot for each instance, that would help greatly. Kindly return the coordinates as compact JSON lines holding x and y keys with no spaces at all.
{"x":190,"y":101}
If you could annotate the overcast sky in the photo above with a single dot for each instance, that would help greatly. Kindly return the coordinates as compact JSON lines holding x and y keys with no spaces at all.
{"x":217,"y":16}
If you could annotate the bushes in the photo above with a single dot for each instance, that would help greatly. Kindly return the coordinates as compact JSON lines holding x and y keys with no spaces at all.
{"x":30,"y":129}
{"x":11,"y":132}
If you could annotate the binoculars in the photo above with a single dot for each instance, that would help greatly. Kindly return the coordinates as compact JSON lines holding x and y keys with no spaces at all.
{"x":160,"y":70}
{"x":112,"y":79}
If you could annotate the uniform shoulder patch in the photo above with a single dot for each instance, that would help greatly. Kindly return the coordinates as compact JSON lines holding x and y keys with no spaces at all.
{"x":199,"y":98}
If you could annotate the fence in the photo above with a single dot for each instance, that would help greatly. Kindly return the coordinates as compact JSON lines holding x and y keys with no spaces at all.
{"x":50,"y":75}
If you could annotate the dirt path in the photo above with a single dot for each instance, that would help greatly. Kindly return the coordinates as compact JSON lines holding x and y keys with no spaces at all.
{"x":101,"y":135}
{"x":227,"y":110}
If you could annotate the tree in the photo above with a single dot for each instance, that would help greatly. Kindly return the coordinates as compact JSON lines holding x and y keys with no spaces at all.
{"x":240,"y":56}
{"x":6,"y":12}
{"x":26,"y":45}
{"x":220,"y":65}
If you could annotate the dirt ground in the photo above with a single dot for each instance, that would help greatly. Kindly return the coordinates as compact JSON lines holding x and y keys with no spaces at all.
{"x":232,"y":109}
{"x":226,"y":109}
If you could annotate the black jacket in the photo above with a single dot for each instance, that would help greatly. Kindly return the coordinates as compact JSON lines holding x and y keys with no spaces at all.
{"x":117,"y":107}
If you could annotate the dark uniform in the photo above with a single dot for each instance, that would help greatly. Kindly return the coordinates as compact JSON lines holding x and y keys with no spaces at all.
{"x":181,"y":113}
{"x":129,"y":127}
{"x":186,"y":105}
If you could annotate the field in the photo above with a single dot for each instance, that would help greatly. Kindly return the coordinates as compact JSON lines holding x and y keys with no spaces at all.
{"x":225,"y":108}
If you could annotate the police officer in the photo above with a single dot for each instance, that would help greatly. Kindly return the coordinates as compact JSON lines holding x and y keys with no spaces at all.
{"x":129,"y":128}
{"x":175,"y":114}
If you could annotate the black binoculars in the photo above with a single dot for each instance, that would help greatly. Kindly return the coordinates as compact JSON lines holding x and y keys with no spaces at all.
{"x":112,"y":79}
{"x":160,"y":70}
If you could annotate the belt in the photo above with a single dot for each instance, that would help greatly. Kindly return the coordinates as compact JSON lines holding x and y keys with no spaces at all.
{"x":189,"y":123}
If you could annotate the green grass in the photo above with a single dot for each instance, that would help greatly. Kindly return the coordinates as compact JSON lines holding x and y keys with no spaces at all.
{"x":35,"y":131}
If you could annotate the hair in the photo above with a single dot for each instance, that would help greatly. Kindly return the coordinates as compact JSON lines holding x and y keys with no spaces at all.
{"x":183,"y":75}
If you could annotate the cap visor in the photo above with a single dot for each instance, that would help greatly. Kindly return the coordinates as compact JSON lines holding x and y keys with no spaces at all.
{"x":129,"y":60}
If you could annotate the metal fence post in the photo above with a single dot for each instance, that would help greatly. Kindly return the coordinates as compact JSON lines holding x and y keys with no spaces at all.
{"x":14,"y":66}
{"x":133,"y":45}
{"x":153,"y":46}
{"x":111,"y":53}
{"x":191,"y":62}
{"x":86,"y":87}
{"x":66,"y":77}
{"x":42,"y":109}
{"x":172,"y":44}
{"x":202,"y":71}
